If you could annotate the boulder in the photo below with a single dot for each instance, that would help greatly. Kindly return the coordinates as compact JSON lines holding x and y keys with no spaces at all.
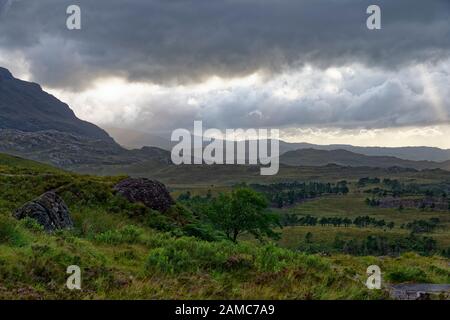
{"x":49,"y":210}
{"x":153,"y":194}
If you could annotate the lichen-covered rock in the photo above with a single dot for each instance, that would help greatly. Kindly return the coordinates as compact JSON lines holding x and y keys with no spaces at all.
{"x":49,"y":210}
{"x":153,"y":194}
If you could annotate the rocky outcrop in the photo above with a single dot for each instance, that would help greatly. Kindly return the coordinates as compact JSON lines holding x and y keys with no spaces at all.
{"x":153,"y":194}
{"x":49,"y":210}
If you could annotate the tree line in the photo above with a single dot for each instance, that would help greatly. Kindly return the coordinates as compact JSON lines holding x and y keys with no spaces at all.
{"x":422,"y":226}
{"x":380,"y":245}
{"x":360,"y":221}
{"x":285,"y":194}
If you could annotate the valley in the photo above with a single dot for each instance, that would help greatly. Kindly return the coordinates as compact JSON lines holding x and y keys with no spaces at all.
{"x":129,"y":252}
{"x":141,"y":227}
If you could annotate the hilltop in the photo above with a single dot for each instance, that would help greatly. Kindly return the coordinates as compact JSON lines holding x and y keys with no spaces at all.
{"x":25,"y":106}
{"x":313,"y":157}
{"x":38,"y":126}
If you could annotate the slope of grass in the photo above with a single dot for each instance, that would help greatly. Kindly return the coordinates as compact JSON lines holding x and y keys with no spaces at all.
{"x":204,"y":175}
{"x":127,"y":251}
{"x":14,"y":165}
{"x":153,"y":265}
{"x":352,"y":206}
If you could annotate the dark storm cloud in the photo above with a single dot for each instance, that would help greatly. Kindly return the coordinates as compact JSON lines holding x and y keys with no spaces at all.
{"x":184,"y":41}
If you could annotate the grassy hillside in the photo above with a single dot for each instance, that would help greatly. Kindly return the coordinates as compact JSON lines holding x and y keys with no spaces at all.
{"x":16,"y":166}
{"x":128,"y":251}
{"x":186,"y":176}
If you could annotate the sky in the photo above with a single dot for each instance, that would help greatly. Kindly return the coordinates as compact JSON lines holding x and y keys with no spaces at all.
{"x":310,"y":68}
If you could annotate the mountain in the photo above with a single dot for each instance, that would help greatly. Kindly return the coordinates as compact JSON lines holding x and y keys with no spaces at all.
{"x":136,"y":139}
{"x":133,"y":139}
{"x":67,"y":150}
{"x":313,"y":157}
{"x":26,"y":107}
{"x":37,"y":126}
{"x":74,"y":152}
{"x":407,"y":153}
{"x":319,"y":155}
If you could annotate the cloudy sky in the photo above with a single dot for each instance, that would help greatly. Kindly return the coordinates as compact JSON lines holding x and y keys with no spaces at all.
{"x":308,"y":67}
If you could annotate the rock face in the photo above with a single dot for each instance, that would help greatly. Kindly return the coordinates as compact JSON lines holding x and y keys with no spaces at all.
{"x":35,"y":125}
{"x":25,"y":106}
{"x":153,"y":194}
{"x":49,"y":210}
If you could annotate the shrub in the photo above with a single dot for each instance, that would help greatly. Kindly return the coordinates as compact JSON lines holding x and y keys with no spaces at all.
{"x":169,"y":260}
{"x":10,"y":232}
{"x":128,"y":234}
{"x":201,"y":231}
{"x":271,"y":258}
{"x":190,"y":255}
{"x":407,"y":274}
{"x":156,"y":220}
{"x":31,"y":224}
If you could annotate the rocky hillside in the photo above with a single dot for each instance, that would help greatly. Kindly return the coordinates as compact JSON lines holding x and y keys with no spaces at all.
{"x":25,"y":106}
{"x":37,"y":126}
{"x":71,"y":151}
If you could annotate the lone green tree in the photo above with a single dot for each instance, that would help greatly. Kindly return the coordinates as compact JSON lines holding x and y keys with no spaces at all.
{"x":243,"y":211}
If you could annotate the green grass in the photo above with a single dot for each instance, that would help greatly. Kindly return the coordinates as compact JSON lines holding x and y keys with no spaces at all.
{"x":188,"y":176}
{"x":351,"y":206}
{"x":18,"y":166}
{"x":126,"y":251}
{"x":292,"y":237}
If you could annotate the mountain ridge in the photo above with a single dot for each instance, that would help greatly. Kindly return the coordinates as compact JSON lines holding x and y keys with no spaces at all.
{"x":26,"y":107}
{"x":313,"y":157}
{"x":130,"y":138}
{"x":38,"y":126}
{"x":414,"y":153}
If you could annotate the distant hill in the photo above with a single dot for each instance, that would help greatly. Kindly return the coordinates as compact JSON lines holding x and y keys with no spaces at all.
{"x":37,"y":126}
{"x":313,"y":157}
{"x":137,"y":139}
{"x":133,"y":139}
{"x":407,"y":153}
{"x":26,"y":107}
